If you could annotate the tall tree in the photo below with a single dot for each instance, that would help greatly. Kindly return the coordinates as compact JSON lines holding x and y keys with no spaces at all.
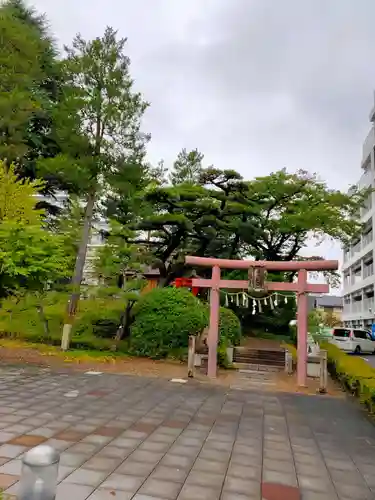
{"x":187,"y":168}
{"x":29,"y":89}
{"x":19,"y":69}
{"x":99,"y":133}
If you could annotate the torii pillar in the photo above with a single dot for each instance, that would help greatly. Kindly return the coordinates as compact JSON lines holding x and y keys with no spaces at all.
{"x":301,"y":287}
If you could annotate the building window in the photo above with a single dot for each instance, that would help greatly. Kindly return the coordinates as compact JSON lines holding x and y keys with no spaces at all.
{"x":356,"y":247}
{"x":368,"y":269}
{"x":367,"y":204}
{"x":356,"y":275}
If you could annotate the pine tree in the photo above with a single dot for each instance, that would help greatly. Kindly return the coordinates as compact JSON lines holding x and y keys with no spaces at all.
{"x":187,"y":168}
{"x":99,"y":133}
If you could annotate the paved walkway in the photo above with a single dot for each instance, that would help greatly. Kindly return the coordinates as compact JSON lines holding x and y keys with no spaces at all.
{"x":131,"y":437}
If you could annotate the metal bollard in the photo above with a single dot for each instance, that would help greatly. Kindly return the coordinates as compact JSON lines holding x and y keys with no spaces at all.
{"x":39,"y":474}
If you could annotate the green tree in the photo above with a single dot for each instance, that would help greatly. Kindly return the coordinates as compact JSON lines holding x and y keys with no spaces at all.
{"x":117,"y":256}
{"x":31,"y":258}
{"x":19,"y":70}
{"x":99,"y":133}
{"x":187,"y":168}
{"x":29,"y":89}
{"x":268,"y":218}
{"x":115,"y":260}
{"x":157,"y":176}
{"x":202,"y":219}
{"x":18,"y":198}
{"x":297,"y":207}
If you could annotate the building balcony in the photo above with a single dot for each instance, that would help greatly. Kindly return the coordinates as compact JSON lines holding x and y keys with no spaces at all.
{"x":368,"y":305}
{"x":358,"y":284}
{"x":355,"y":256}
{"x":366,"y":179}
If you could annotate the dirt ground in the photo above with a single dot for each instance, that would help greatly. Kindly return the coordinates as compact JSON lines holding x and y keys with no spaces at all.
{"x":133,"y":366}
{"x":21,"y":353}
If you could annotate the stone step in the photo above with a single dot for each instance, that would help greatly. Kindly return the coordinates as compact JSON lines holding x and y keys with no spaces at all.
{"x":265,"y":361}
{"x":259,"y":352}
{"x":258,"y":356}
{"x":265,"y":358}
{"x":256,"y":368}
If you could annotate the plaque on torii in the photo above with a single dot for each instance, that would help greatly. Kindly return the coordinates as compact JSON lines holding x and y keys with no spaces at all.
{"x":257,"y":275}
{"x":257,"y":279}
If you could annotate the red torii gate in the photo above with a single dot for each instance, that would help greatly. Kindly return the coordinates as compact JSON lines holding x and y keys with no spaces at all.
{"x":301,"y":287}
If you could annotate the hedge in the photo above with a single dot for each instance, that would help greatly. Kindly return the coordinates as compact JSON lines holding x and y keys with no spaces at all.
{"x":94,"y":328}
{"x":353,"y":373}
{"x":164,"y":319}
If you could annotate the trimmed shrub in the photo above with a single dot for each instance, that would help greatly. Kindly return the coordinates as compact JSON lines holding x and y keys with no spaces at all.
{"x":353,"y":373}
{"x":229,"y":328}
{"x":164,"y":319}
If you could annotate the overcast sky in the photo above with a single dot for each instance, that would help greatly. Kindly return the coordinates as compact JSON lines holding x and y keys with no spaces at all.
{"x":256,"y":85}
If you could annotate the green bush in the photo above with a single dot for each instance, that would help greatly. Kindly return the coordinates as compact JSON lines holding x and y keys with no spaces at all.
{"x":353,"y":373}
{"x":99,"y":317}
{"x":164,"y":319}
{"x":81,"y":343}
{"x":229,"y":328}
{"x":96,"y":322}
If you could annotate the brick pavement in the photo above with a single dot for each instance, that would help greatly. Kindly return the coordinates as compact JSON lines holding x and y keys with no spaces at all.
{"x":130,"y":437}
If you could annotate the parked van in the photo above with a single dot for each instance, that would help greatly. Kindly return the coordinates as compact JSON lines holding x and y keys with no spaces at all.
{"x":354,"y":340}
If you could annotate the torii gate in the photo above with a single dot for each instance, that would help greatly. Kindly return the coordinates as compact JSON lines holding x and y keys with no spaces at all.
{"x":301,"y":287}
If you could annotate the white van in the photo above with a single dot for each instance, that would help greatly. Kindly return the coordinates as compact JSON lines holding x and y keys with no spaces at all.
{"x":355,"y":340}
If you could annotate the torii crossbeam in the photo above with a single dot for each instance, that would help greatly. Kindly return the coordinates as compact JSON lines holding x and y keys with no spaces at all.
{"x":301,"y":287}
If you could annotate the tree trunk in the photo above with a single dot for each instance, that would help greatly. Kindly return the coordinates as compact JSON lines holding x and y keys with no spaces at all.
{"x":123,"y":329}
{"x":43,"y":319}
{"x":78,"y":272}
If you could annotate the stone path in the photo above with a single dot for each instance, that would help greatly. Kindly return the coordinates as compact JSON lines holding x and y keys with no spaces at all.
{"x":251,"y":379}
{"x":130,"y":437}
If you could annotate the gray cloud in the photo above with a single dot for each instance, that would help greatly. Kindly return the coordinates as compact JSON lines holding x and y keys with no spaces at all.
{"x":255,"y":84}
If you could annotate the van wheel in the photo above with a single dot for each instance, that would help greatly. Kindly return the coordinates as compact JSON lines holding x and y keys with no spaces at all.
{"x":357,"y":350}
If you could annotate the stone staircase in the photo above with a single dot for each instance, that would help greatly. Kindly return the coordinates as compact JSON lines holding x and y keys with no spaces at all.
{"x":245,"y":358}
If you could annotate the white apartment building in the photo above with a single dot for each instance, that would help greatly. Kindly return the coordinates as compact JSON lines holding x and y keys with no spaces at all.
{"x":358,"y":259}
